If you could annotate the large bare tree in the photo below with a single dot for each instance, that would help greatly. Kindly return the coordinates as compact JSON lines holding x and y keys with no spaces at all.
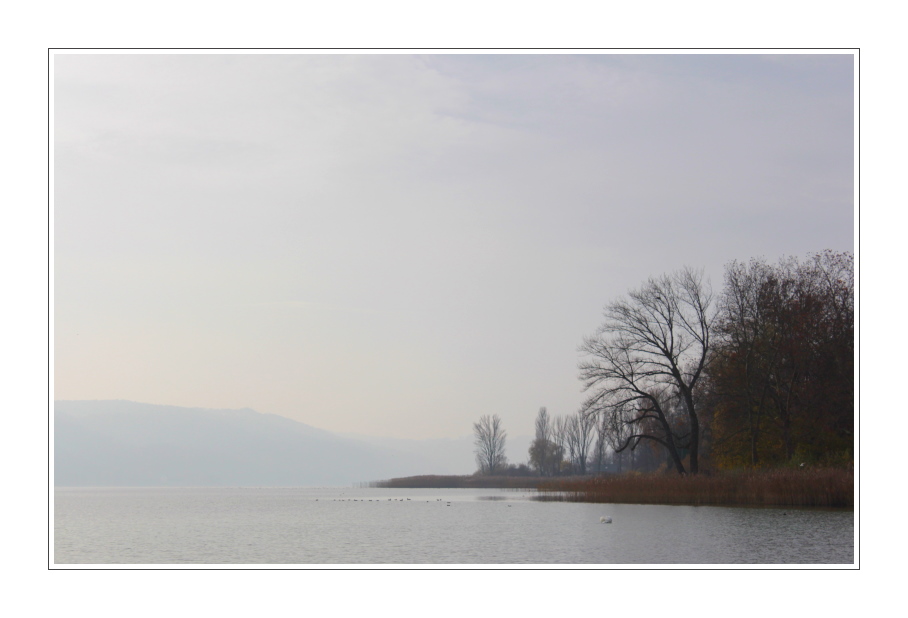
{"x":489,"y":439}
{"x":643,"y":367}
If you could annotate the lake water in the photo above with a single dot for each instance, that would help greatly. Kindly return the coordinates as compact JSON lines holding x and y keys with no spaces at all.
{"x":331,"y":526}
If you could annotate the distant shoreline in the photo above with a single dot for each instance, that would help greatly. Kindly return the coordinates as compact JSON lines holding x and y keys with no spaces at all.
{"x":820,"y":487}
{"x":447,"y":481}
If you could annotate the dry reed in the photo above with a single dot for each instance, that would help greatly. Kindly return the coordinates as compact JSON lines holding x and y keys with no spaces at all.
{"x":824,"y":487}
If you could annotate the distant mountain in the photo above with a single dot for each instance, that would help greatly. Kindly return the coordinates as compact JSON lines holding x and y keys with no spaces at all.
{"x":124,"y":443}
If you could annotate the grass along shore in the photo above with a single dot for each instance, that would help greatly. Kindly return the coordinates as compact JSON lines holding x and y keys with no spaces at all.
{"x":816,"y":487}
{"x":823,"y":487}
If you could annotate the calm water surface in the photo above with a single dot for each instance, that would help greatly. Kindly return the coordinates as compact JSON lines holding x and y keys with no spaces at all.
{"x":309,"y":526}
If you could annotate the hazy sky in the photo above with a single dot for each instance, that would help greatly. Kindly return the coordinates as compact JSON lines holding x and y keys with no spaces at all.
{"x":397,"y":244}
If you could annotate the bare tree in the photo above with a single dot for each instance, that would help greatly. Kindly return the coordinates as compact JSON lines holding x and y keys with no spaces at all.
{"x":570,"y":440}
{"x":617,"y":432}
{"x":645,"y":362}
{"x":489,"y":439}
{"x":562,"y":444}
{"x":601,"y":440}
{"x":582,"y":428}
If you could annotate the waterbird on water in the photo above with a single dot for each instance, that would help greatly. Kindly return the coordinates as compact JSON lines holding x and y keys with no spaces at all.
{"x":605,"y":520}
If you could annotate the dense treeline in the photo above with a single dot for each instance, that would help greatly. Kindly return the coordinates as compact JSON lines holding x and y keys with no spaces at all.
{"x":760,"y":375}
{"x":677,"y":377}
{"x":780,"y":383}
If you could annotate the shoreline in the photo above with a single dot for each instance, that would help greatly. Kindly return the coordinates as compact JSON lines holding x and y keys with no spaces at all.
{"x":819,"y":487}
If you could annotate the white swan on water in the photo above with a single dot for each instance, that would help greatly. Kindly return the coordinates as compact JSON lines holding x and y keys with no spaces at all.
{"x":605,"y":520}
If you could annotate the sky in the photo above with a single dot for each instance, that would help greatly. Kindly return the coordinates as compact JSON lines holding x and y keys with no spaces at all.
{"x":396,"y":244}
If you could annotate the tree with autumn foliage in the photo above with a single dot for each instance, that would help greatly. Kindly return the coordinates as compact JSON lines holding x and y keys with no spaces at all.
{"x":781,"y":379}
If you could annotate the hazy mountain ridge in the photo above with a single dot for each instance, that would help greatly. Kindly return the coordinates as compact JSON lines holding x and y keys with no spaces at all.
{"x":124,"y":443}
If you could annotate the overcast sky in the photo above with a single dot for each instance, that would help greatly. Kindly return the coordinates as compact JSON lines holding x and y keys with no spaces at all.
{"x":395,"y":244}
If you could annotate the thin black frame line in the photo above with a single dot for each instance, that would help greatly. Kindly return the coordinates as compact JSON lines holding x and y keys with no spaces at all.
{"x":845,"y":49}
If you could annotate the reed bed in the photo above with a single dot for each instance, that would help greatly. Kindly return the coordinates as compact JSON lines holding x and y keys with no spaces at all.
{"x":813,"y":487}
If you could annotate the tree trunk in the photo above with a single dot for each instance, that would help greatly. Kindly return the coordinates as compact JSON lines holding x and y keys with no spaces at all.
{"x":694,"y":432}
{"x":679,"y":466}
{"x":694,"y":444}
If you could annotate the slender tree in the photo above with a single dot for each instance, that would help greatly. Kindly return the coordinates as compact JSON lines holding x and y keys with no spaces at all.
{"x":545,"y":454}
{"x":579,"y":435}
{"x":489,"y":439}
{"x":543,"y":425}
{"x":560,"y":439}
{"x":585,"y":432}
{"x":601,"y":442}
